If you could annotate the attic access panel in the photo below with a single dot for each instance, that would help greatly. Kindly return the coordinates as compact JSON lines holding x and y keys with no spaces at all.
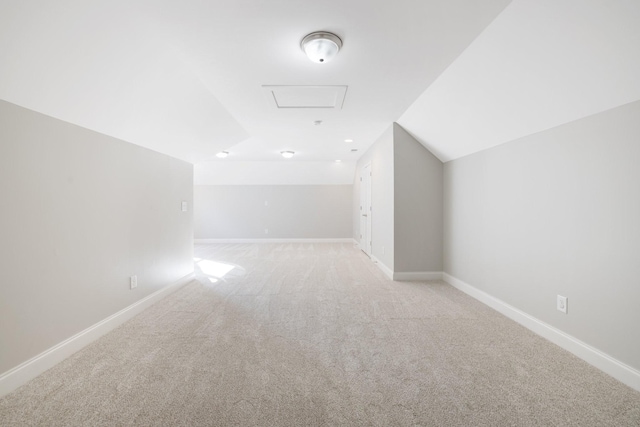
{"x":288,"y":97}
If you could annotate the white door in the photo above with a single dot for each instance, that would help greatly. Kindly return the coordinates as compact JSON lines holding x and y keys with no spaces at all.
{"x":365,"y":209}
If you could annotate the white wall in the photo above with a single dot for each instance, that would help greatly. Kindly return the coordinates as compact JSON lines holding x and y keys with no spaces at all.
{"x":80,"y":212}
{"x":380,"y":155}
{"x":277,"y":172}
{"x":406,"y":198}
{"x":417,"y":206}
{"x":557,"y":212}
{"x":293,"y":211}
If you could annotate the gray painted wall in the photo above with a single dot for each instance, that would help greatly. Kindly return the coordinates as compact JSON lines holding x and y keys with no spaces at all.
{"x":557,"y":212}
{"x":80,"y":212}
{"x":418,"y":203}
{"x":293,"y":211}
{"x":380,"y":155}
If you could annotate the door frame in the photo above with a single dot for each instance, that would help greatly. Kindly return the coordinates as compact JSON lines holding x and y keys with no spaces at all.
{"x":365,"y":213}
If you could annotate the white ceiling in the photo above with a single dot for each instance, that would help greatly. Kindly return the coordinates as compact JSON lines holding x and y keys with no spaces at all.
{"x":540,"y":64}
{"x":186,"y":77}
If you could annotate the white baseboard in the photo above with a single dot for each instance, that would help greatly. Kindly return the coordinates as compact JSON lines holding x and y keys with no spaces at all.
{"x":412,"y":276}
{"x":620,"y":371}
{"x":21,"y":374}
{"x":339,"y":240}
{"x":386,"y":270}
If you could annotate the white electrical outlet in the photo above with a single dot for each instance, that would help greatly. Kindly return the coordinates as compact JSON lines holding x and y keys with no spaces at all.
{"x":383,"y":250}
{"x":184,"y":206}
{"x":266,"y":231}
{"x":562,"y":304}
{"x":134,"y":282}
{"x":266,"y":203}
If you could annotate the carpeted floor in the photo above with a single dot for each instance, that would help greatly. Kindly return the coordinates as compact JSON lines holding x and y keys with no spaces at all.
{"x":315,"y":335}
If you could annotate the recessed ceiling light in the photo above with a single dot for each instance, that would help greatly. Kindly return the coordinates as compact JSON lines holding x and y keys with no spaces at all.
{"x":321,"y":46}
{"x":287,"y":154}
{"x":338,"y":161}
{"x":222,"y":154}
{"x":348,"y":140}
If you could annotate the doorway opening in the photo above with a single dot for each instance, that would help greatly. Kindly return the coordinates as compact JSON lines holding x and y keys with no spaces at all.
{"x":365,"y":209}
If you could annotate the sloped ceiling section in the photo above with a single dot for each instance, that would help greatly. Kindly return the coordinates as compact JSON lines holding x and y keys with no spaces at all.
{"x":185,"y":77}
{"x":98,"y":65}
{"x":540,"y":64}
{"x":392,"y":51}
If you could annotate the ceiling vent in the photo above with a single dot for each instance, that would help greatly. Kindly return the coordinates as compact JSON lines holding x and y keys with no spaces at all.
{"x":288,"y":97}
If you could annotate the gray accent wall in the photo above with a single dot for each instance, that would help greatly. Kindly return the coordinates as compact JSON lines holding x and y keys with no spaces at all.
{"x":418,"y":199}
{"x":80,"y":213}
{"x":557,"y":212}
{"x":291,"y":211}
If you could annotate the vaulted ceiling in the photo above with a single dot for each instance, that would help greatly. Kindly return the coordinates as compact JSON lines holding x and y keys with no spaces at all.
{"x":186,"y":77}
{"x":538,"y":65}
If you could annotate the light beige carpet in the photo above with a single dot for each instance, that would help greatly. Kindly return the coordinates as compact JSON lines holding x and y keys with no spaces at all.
{"x":315,"y":335}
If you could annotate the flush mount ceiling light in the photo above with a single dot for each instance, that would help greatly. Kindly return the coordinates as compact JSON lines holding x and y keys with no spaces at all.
{"x":287,"y":154}
{"x":222,"y":154}
{"x":348,"y":140}
{"x":321,"y":46}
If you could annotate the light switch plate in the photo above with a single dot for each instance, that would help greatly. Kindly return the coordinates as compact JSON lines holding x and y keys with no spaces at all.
{"x":562,"y":304}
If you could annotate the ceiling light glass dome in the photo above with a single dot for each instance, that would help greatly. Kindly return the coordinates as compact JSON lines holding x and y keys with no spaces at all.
{"x":321,"y":46}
